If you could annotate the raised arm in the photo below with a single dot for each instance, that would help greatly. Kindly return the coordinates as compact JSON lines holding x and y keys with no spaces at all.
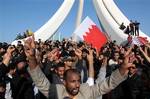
{"x":115,"y":79}
{"x":91,"y":63}
{"x":90,"y":80}
{"x":102,"y":71}
{"x":145,"y":54}
{"x":37,"y":75}
{"x":6,"y":59}
{"x":148,"y":45}
{"x":8,"y":55}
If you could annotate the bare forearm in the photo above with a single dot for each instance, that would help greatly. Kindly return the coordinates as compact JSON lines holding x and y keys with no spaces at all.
{"x":91,"y":70}
{"x":146,"y":56}
{"x":148,"y":45}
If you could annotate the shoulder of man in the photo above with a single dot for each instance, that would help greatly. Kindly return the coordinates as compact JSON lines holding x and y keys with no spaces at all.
{"x":55,"y":90}
{"x":52,"y":92}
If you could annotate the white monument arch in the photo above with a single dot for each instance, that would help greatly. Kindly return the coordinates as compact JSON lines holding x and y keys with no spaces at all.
{"x":107,"y":11}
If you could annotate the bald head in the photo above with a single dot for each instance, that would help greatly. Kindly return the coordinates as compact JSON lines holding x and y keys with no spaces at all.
{"x":72,"y":82}
{"x":68,"y":73}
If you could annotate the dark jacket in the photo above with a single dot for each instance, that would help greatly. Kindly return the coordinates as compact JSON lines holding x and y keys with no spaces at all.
{"x":22,"y":88}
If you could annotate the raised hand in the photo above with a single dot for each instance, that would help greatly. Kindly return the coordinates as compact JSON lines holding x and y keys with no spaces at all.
{"x":10,"y":49}
{"x":105,"y":59}
{"x":129,"y":50}
{"x":8,"y":55}
{"x":90,"y":55}
{"x":29,"y":47}
{"x":78,"y":52}
{"x":145,"y":54}
{"x":148,"y":45}
{"x":127,"y":66}
{"x":33,"y":42}
{"x":53,"y":54}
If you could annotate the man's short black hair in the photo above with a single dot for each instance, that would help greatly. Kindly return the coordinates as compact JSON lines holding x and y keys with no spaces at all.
{"x":69,"y":71}
{"x":1,"y":58}
{"x":80,"y":44}
{"x":85,"y":50}
{"x":60,"y":64}
{"x":4,"y":45}
{"x":1,"y":45}
{"x":67,"y":58}
{"x":72,"y":53}
{"x":11,"y":66}
{"x":19,"y":59}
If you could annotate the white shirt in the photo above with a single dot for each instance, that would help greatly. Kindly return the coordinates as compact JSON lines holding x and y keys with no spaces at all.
{"x":8,"y":92}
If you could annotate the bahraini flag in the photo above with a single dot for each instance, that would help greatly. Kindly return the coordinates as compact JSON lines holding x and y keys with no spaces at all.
{"x":139,"y":40}
{"x":91,"y":34}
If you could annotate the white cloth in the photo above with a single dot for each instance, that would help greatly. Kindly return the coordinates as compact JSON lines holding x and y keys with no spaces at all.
{"x":101,"y":77}
{"x":90,"y":81}
{"x":8,"y":92}
{"x":112,"y":62}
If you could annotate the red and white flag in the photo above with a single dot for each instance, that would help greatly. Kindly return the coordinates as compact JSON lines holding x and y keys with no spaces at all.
{"x":139,"y":40}
{"x":91,"y":34}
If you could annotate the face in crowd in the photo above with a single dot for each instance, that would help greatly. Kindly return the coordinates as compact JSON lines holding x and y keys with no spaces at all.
{"x":2,"y":90}
{"x":60,"y":71}
{"x":72,"y":81}
{"x":116,"y":55}
{"x":68,"y":64}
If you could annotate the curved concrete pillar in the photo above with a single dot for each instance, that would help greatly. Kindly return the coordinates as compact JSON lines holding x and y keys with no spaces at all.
{"x":111,"y":17}
{"x":79,"y":17}
{"x":51,"y":26}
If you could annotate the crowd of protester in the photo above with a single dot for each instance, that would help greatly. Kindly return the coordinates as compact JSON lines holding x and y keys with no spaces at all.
{"x":56,"y":59}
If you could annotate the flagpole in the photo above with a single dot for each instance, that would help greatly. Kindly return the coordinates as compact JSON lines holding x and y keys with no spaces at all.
{"x":78,"y":19}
